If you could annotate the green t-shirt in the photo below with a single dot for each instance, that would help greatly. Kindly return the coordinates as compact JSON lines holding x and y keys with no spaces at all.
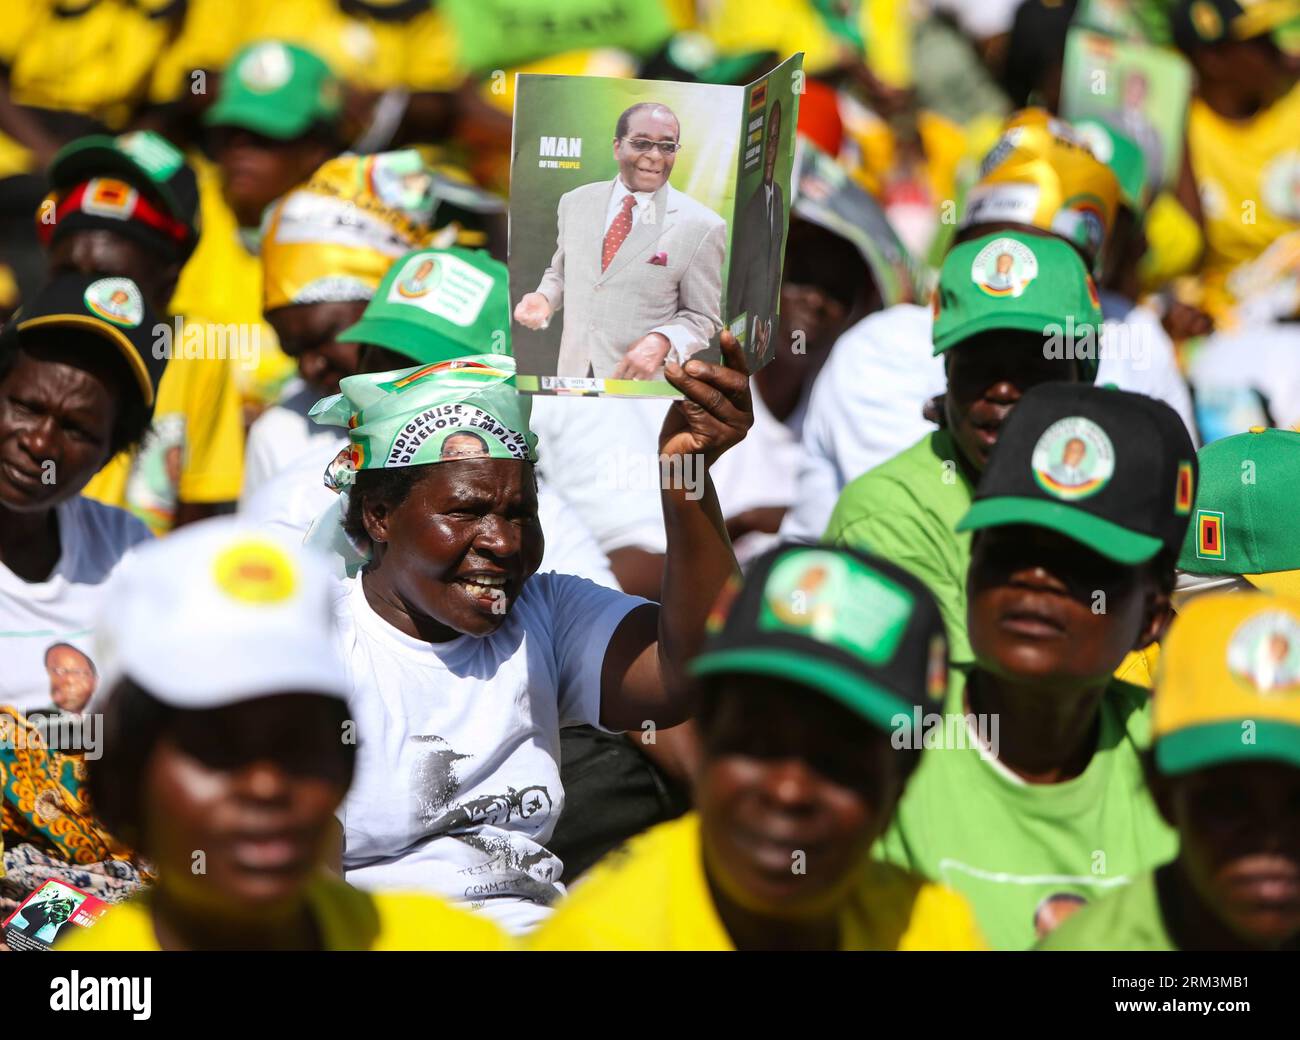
{"x":1026,"y":855}
{"x":906,"y":510}
{"x":1128,"y":919}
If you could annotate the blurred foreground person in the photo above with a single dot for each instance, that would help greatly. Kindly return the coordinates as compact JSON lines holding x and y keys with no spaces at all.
{"x":821,"y":664}
{"x":226,"y":731}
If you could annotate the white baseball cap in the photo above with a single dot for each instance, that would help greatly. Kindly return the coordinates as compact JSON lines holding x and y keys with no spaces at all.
{"x":218,"y":613}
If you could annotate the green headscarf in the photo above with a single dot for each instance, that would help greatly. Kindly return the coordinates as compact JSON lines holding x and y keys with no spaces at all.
{"x":408,"y":417}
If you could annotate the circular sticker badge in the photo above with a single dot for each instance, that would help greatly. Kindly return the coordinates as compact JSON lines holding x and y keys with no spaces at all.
{"x":1264,"y":654}
{"x":1073,"y":459}
{"x":1281,"y":185}
{"x":420,"y":278}
{"x":116,"y":300}
{"x":266,"y":68}
{"x":1004,"y":267}
{"x":256,"y":572}
{"x":801,"y":589}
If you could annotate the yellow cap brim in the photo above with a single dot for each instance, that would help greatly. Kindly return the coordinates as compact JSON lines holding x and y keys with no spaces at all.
{"x":1285,"y":583}
{"x":100,"y":328}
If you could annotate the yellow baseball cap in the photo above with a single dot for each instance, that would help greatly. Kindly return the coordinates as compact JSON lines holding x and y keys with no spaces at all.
{"x":1043,"y":174}
{"x":1228,"y":685}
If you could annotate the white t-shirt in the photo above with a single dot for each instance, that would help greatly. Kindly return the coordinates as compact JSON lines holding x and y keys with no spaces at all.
{"x":457,"y":788}
{"x":280,"y":435}
{"x":866,"y":404}
{"x":35,"y":616}
{"x":602,"y":456}
{"x":297,"y":495}
{"x":760,"y":471}
{"x":1231,"y":367}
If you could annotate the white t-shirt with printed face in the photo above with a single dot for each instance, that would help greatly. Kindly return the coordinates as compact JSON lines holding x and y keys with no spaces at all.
{"x":47,"y":628}
{"x":457,"y":786}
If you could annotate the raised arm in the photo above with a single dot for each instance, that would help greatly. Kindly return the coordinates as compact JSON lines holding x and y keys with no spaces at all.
{"x":644,"y":678}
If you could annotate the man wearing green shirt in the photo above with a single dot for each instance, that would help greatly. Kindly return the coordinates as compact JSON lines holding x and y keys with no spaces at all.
{"x":1035,"y":802}
{"x":1227,"y":777}
{"x":1000,"y":301}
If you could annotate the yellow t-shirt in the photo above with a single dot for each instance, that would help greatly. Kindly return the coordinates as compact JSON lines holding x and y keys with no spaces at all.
{"x":221,"y":286}
{"x":1248,"y":175}
{"x":348,"y":918}
{"x":417,"y":54}
{"x":194,"y":451}
{"x":653,"y":895}
{"x":95,"y":59}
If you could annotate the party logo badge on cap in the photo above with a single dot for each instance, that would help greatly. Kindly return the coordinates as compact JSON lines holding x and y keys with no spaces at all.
{"x":444,"y":286}
{"x":835,"y":600}
{"x":1004,"y":267}
{"x":116,"y":300}
{"x":1264,"y":653}
{"x":1210,"y":544}
{"x":1073,"y":459}
{"x":401,"y":180}
{"x":420,"y":282}
{"x":266,"y":68}
{"x":256,"y":572}
{"x":109,"y":197}
{"x":154,"y":153}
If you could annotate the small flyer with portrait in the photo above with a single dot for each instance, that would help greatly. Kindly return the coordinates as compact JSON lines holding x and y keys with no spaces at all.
{"x":1138,"y":89}
{"x":53,"y":907}
{"x":645,"y":218}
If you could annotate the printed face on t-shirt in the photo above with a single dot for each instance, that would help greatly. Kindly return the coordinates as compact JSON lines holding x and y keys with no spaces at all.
{"x":72,"y":677}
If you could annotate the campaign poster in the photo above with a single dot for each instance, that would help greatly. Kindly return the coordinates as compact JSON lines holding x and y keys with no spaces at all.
{"x":645,"y":217}
{"x":53,"y":907}
{"x":1136,"y":88}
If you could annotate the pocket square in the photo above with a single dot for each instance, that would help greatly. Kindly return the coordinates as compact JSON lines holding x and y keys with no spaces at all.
{"x":659,"y":260}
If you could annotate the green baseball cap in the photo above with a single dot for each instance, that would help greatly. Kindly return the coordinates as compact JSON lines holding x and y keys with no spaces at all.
{"x":278,"y":90}
{"x":856,"y":628}
{"x":1012,"y":280}
{"x":438,"y":304}
{"x":1124,"y":158}
{"x":1243,"y":520}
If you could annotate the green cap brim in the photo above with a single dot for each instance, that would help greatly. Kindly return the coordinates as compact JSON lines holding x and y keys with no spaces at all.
{"x":261,"y":117}
{"x":96,"y":156}
{"x":1214,"y":743}
{"x":1100,"y":535}
{"x":849,"y":688}
{"x":414,"y":341}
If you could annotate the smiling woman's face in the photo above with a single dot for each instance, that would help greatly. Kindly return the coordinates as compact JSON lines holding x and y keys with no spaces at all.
{"x":460,"y":546}
{"x":56,"y":425}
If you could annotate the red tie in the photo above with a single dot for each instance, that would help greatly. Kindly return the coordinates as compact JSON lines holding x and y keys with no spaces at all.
{"x":618,"y":231}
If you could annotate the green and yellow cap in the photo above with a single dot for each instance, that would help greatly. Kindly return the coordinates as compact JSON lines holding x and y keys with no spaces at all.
{"x":1228,"y":684}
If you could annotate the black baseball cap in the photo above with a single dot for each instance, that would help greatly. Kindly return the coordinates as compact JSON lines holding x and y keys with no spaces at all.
{"x":857,"y":628}
{"x":1203,"y":23}
{"x":87,"y":176}
{"x":1115,"y":471}
{"x":111,"y":308}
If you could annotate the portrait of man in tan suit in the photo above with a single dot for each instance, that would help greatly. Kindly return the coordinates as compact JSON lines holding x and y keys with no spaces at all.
{"x":637,"y":265}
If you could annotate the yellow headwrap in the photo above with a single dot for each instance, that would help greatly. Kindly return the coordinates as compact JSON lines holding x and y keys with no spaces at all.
{"x":1041,"y":173}
{"x":333,"y":238}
